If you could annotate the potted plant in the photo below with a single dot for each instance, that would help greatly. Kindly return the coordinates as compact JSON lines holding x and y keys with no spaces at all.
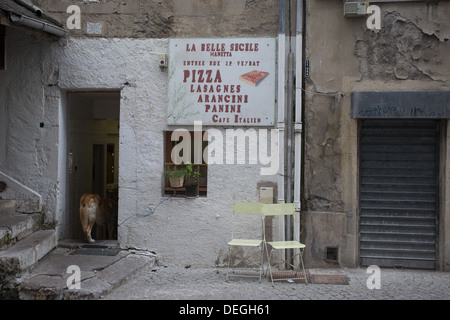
{"x":191,"y":189}
{"x":176,"y":176}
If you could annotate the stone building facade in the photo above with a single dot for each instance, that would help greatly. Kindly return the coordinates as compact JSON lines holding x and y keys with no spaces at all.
{"x":102,"y":85}
{"x":345,"y":156}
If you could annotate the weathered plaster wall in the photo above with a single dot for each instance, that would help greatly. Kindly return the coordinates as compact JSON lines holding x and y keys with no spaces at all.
{"x":408,"y":53}
{"x":403,"y":50}
{"x":125,"y":58}
{"x":181,"y":231}
{"x":171,"y":18}
{"x":28,"y":152}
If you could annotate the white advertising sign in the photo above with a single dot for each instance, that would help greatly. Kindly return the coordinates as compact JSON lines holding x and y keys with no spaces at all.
{"x":225,"y":82}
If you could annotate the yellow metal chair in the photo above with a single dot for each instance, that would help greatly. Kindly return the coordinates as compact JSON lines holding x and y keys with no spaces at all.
{"x":284,"y":209}
{"x":240,"y":239}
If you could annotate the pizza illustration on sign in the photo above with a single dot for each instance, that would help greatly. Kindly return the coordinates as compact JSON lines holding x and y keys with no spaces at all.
{"x":253,"y":78}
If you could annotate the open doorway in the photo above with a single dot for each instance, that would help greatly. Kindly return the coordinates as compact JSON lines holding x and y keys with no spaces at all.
{"x":92,"y":140}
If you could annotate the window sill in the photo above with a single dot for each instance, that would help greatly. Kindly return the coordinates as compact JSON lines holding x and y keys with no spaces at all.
{"x":181,"y":192}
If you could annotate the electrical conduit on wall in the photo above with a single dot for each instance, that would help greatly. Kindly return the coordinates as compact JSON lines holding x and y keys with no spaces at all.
{"x":281,"y":111}
{"x":290,"y":141}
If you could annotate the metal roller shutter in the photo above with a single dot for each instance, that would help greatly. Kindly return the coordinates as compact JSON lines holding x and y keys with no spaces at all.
{"x":399,"y":193}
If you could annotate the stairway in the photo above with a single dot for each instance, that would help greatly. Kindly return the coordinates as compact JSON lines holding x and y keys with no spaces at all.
{"x":22,"y":243}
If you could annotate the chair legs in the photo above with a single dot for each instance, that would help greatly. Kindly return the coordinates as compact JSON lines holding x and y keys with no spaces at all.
{"x":280,"y":210}
{"x":255,"y":262}
{"x":251,"y":262}
{"x":284,"y":261}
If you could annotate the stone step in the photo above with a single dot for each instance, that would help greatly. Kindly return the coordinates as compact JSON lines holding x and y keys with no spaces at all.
{"x":25,"y":253}
{"x":7,"y":208}
{"x":16,"y":227}
{"x":99,"y":274}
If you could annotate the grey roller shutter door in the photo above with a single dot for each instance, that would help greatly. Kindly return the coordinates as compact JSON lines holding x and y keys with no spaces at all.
{"x":399,"y":193}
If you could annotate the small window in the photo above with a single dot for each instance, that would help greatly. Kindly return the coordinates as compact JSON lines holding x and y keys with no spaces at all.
{"x":2,"y":48}
{"x":197,"y":183}
{"x":331,"y":254}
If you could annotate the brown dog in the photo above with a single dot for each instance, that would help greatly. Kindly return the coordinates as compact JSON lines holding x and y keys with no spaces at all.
{"x":102,"y":211}
{"x":89,"y":208}
{"x":106,"y":220}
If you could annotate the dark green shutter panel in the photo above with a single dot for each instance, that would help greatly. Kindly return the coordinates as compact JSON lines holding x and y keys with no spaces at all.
{"x":399,"y":193}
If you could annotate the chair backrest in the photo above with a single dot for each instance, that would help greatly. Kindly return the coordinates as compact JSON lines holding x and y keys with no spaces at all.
{"x":247,"y":208}
{"x":278,"y":209}
{"x":245,"y":214}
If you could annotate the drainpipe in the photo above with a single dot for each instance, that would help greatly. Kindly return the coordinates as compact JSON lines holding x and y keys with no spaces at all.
{"x":298,"y":125}
{"x":290,"y":130}
{"x":37,"y":24}
{"x":30,"y":7}
{"x":281,"y":112}
{"x":289,"y":147}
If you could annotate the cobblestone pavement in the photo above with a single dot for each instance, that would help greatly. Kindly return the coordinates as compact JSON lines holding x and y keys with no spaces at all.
{"x":178,"y":283}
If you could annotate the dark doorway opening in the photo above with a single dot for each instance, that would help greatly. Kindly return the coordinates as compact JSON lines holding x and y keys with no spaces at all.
{"x":92,"y":140}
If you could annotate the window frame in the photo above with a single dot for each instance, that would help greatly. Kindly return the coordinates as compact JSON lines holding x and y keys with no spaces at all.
{"x":202,"y":181}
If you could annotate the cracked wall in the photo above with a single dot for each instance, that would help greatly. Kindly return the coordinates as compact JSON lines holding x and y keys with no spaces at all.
{"x":401,"y":50}
{"x":412,"y":45}
{"x":170,"y":18}
{"x":410,"y":52}
{"x":323,"y":154}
